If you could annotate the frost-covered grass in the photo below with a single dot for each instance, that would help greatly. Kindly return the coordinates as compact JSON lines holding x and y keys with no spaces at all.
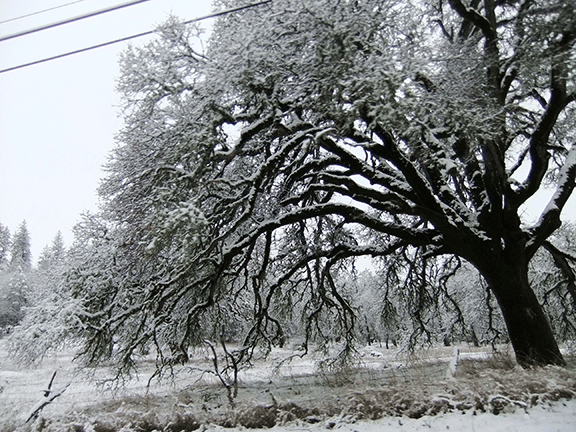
{"x":386,"y":386}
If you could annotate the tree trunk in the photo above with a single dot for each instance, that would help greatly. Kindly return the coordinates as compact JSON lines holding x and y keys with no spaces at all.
{"x":528,"y":327}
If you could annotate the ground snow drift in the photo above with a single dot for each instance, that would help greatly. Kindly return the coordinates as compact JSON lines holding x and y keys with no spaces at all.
{"x":556,"y":417}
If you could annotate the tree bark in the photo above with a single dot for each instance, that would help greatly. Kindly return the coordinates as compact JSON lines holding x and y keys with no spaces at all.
{"x":528,"y":327}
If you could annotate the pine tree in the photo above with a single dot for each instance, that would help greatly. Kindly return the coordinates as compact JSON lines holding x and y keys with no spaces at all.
{"x":14,"y":283}
{"x":53,"y":254}
{"x":4,"y":247}
{"x":20,"y":254}
{"x":14,"y":297}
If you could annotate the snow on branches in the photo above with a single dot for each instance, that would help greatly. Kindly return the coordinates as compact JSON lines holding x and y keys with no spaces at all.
{"x":250,"y":177}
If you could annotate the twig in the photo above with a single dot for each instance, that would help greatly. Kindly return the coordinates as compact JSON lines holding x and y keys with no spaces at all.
{"x":47,"y":399}
{"x":231,"y":388}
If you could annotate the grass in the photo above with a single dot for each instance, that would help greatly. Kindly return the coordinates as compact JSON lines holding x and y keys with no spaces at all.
{"x":388,"y":385}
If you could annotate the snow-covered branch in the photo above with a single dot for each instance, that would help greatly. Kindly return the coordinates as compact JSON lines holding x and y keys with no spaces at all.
{"x":474,"y":17}
{"x":550,"y":218}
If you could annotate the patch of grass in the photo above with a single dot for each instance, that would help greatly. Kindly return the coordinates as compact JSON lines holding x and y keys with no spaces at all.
{"x":102,"y":426}
{"x":498,"y":362}
{"x":183,"y":423}
{"x":257,"y":417}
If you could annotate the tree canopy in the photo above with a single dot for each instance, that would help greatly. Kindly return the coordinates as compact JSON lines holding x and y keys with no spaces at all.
{"x":251,"y":175}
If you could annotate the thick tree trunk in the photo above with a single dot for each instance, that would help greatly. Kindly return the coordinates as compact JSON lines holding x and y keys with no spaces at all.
{"x":528,"y":327}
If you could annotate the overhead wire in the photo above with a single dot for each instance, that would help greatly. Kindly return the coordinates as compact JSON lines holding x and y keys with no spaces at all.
{"x":71,"y":20}
{"x":40,"y":12}
{"x":214,"y":15}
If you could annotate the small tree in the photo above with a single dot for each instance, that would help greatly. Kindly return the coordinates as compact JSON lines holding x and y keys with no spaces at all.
{"x":52,"y":256}
{"x":20,"y":254}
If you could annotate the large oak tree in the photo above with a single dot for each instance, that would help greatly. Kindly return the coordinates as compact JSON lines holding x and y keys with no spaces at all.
{"x":310,"y":133}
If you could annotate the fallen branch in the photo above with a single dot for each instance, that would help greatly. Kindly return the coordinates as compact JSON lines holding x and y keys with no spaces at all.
{"x":48,"y":398}
{"x":498,"y":402}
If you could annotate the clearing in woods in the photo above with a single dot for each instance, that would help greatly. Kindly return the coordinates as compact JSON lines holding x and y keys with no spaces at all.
{"x":385,"y":389}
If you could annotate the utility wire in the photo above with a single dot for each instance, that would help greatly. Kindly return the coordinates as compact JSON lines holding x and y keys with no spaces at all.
{"x":214,"y":15}
{"x":40,"y":12}
{"x":70,"y":20}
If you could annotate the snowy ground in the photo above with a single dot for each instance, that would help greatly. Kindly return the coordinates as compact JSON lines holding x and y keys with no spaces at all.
{"x":558,"y":417}
{"x":399,"y":392}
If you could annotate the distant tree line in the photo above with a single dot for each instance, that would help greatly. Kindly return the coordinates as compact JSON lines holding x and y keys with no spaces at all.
{"x":20,"y":281}
{"x":15,"y":268}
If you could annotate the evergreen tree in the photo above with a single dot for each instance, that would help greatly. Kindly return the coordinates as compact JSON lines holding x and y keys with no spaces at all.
{"x":4,"y":247}
{"x":15,"y":283}
{"x":53,"y":254}
{"x":20,"y":254}
{"x":13,"y":297}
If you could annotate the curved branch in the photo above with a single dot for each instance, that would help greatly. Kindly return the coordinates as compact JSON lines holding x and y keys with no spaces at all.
{"x":550,"y":218}
{"x":473,"y":17}
{"x":350,"y":214}
{"x":539,"y":156}
{"x":344,"y":185}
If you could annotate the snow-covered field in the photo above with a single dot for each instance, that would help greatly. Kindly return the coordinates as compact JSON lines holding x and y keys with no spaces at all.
{"x":387,"y":391}
{"x":558,"y":417}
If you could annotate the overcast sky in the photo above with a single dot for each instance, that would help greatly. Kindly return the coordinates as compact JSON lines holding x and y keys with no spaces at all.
{"x":58,"y":119}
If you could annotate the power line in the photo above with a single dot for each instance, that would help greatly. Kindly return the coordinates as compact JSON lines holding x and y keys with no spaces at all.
{"x":70,"y":20}
{"x":214,"y":15}
{"x":44,"y":60}
{"x":40,"y":12}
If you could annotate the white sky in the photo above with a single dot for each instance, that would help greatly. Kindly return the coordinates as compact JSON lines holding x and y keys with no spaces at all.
{"x":58,"y":119}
